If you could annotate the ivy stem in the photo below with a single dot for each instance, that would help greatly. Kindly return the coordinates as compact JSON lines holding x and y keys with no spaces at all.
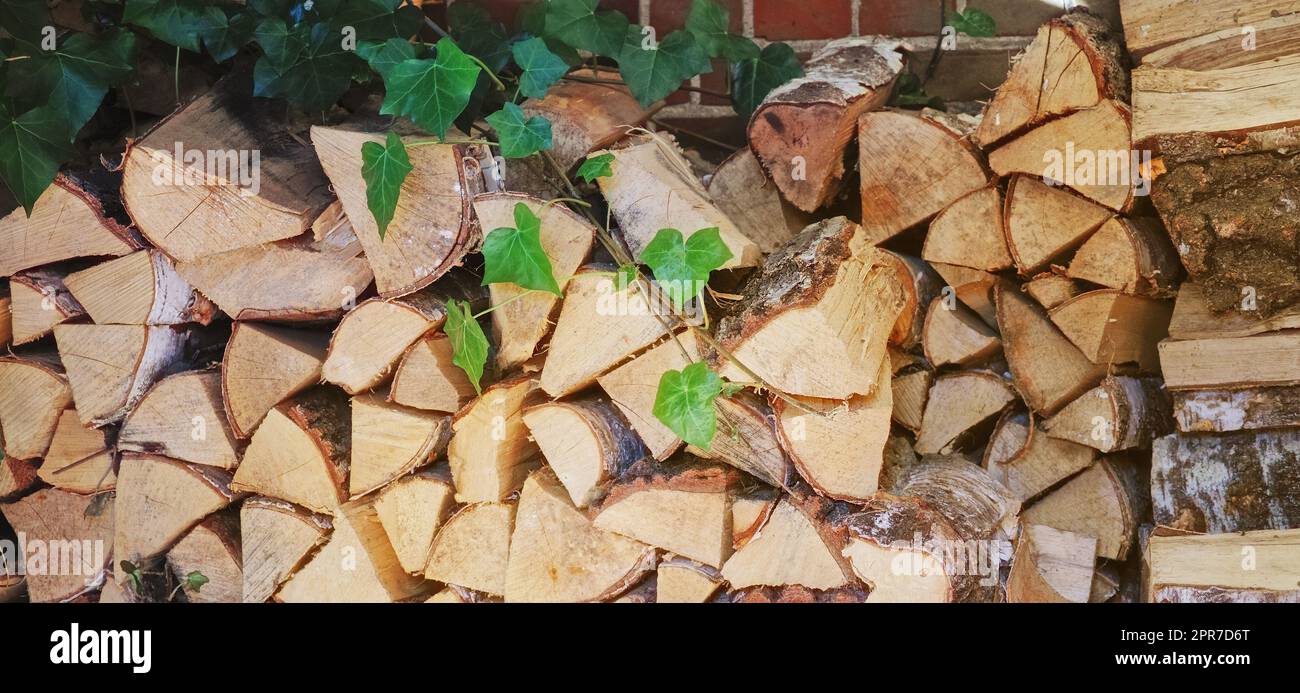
{"x":176,"y":76}
{"x":571,"y":200}
{"x":691,"y":133}
{"x":491,"y":75}
{"x":453,"y":140}
{"x":506,"y":302}
{"x":434,"y":25}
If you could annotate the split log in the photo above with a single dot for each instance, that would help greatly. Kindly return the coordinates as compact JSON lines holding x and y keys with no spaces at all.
{"x":1226,"y":483}
{"x":800,"y":131}
{"x":1052,"y":566}
{"x":748,"y":440}
{"x":182,"y":417}
{"x":1132,"y":255}
{"x":825,"y":297}
{"x":411,"y":510}
{"x":490,"y":450}
{"x":790,"y":549}
{"x":1222,"y":411}
{"x":1051,"y":290}
{"x":275,"y":538}
{"x":523,"y":321}
{"x":633,"y":387}
{"x":1048,"y":370}
{"x":39,"y":301}
{"x":1022,"y":457}
{"x":976,"y":505}
{"x":159,"y":499}
{"x":920,"y":286}
{"x":80,"y":458}
{"x":683,"y":581}
{"x":110,"y":367}
{"x":17,"y":477}
{"x":301,"y":452}
{"x":142,"y":288}
{"x":222,"y":173}
{"x":794,"y":594}
{"x":1103,"y":501}
{"x":426,"y":378}
{"x":472,"y":548}
{"x":1111,"y":327}
{"x":956,"y":407}
{"x":1193,"y":318}
{"x":750,"y":510}
{"x":586,"y":442}
{"x":1122,"y":413}
{"x":79,"y":215}
{"x":1245,"y":567}
{"x":1150,"y":24}
{"x":389,"y":440}
{"x":972,"y":287}
{"x":264,"y":365}
{"x":33,"y":394}
{"x":744,"y":192}
{"x":1266,"y":359}
{"x":211,"y":549}
{"x":899,"y":189}
{"x":1045,"y":221}
{"x":970,"y":232}
{"x":557,"y":555}
{"x":911,"y":392}
{"x":76,"y":546}
{"x":955,"y":335}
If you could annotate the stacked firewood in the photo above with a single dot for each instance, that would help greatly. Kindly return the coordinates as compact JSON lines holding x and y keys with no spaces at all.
{"x":959,"y":337}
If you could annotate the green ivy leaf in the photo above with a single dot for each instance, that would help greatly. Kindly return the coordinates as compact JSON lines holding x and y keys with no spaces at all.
{"x":384,"y":167}
{"x":73,"y":79}
{"x":32,"y":145}
{"x":431,"y":92}
{"x":223,"y":36}
{"x":684,"y":403}
{"x":754,"y":78}
{"x":908,"y":91}
{"x":24,"y":19}
{"x":177,"y":22}
{"x":707,"y":21}
{"x":653,"y":73}
{"x":376,"y":19}
{"x":280,"y":45}
{"x":478,"y":34}
{"x":515,"y":255}
{"x":596,"y":167}
{"x":383,"y":56}
{"x":624,"y":277}
{"x":973,"y":22}
{"x":540,"y":67}
{"x":519,"y":135}
{"x":196,"y":580}
{"x":682,"y":267}
{"x":133,"y":571}
{"x":577,"y":23}
{"x":318,"y":77}
{"x":469,"y":346}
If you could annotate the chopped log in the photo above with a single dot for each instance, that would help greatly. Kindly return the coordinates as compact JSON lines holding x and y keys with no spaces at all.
{"x":920,"y":286}
{"x":426,"y":378}
{"x":1073,"y":63}
{"x":110,"y":367}
{"x":490,"y":450}
{"x":1226,"y":483}
{"x":978,"y":507}
{"x":750,"y":510}
{"x":557,"y":555}
{"x":1222,"y":411}
{"x":389,"y":440}
{"x":17,"y":477}
{"x":899,"y":189}
{"x":212,"y":549}
{"x":970,"y":233}
{"x":411,"y":510}
{"x":473,"y":547}
{"x":1132,"y":255}
{"x":182,"y":417}
{"x":275,"y":537}
{"x":651,"y":187}
{"x":77,"y":216}
{"x":743,"y":191}
{"x":142,"y":288}
{"x":40,"y":300}
{"x":356,"y":564}
{"x":80,"y":458}
{"x":33,"y":394}
{"x":599,"y":326}
{"x":586,"y":442}
{"x":1105,"y":582}
{"x":301,"y":451}
{"x":1051,"y":290}
{"x":159,"y":499}
{"x":1052,"y":566}
{"x":523,"y":321}
{"x":683,"y":581}
{"x":1150,"y":24}
{"x":956,"y":407}
{"x":1044,"y":221}
{"x":1193,"y":318}
{"x":794,"y":594}
{"x":1245,"y":567}
{"x":1266,"y":359}
{"x":1022,"y":457}
{"x":748,"y":440}
{"x":633,"y":387}
{"x":265,"y":365}
{"x":1122,"y":413}
{"x":1103,"y":501}
{"x":955,"y":335}
{"x":911,"y":391}
{"x":825,"y":297}
{"x":1048,"y":370}
{"x":790,"y":549}
{"x":1111,"y":327}
{"x":60,"y":519}
{"x":685,"y":509}
{"x":222,"y":173}
{"x":800,"y":131}
{"x":974,"y":288}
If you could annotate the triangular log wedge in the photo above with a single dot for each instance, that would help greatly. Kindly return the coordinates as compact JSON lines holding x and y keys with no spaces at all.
{"x":80,"y":458}
{"x":743,"y":191}
{"x":182,"y":417}
{"x":33,"y":394}
{"x":211,"y":549}
{"x":40,"y":300}
{"x":275,"y":538}
{"x":683,"y":581}
{"x":1048,"y":370}
{"x":651,"y":186}
{"x":970,"y":233}
{"x":1052,"y":566}
{"x":433,"y":226}
{"x":17,"y":477}
{"x":1211,"y":568}
{"x":142,"y":288}
{"x":1121,"y":413}
{"x":1194,"y":319}
{"x":955,"y":335}
{"x":159,"y":499}
{"x":411,"y":510}
{"x":523,"y":322}
{"x":1103,"y":502}
{"x":911,"y":168}
{"x":825,"y":297}
{"x":300,"y":453}
{"x":1045,"y":221}
{"x":802,"y":128}
{"x":957,"y":404}
{"x":747,"y":439}
{"x":599,"y":327}
{"x":1198,"y":364}
{"x":1200,"y":483}
{"x":491,"y":452}
{"x":1022,"y":457}
{"x":1110,"y":327}
{"x":222,"y":173}
{"x":911,"y":390}
{"x":1132,"y":255}
{"x":1087,"y":151}
{"x":110,"y":367}
{"x":472,"y":548}
{"x":61,"y":519}
{"x":920,"y":285}
{"x":974,"y":288}
{"x":1051,"y":290}
{"x":75,"y":217}
{"x":557,"y":555}
{"x":685,"y":509}
{"x":750,"y":510}
{"x":389,"y":440}
{"x":895,"y":545}
{"x":1222,"y":411}
{"x":264,"y":365}
{"x":976,"y":505}
{"x":586,"y":442}
{"x":1073,"y":63}
{"x":356,"y":565}
{"x":426,"y":378}
{"x":789,"y":550}
{"x":633,"y":387}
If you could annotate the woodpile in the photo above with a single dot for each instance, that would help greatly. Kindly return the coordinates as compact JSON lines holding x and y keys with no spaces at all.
{"x":961,"y":358}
